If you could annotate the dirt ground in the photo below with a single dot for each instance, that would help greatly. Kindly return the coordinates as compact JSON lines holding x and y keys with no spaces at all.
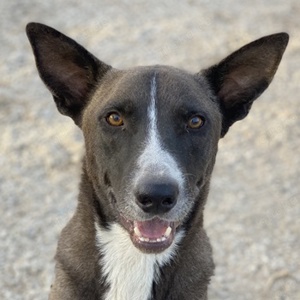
{"x":253,"y":211}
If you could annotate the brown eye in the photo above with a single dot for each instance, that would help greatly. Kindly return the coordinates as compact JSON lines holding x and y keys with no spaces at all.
{"x":114,"y":119}
{"x":195,"y":122}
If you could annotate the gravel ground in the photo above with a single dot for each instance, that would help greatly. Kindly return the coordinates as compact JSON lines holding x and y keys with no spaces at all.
{"x":253,"y":212}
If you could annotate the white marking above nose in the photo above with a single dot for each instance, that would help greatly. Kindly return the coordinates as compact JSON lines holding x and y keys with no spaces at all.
{"x":152,"y":112}
{"x":154,"y":157}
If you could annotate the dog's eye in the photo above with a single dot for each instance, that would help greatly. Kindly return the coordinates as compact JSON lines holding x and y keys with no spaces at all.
{"x":195,"y":122}
{"x":114,"y":119}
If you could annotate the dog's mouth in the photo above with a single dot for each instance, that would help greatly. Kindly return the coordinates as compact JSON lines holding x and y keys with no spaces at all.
{"x":151,"y":236}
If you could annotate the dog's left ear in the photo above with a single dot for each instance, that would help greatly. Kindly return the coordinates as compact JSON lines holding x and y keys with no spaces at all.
{"x":240,"y":78}
{"x":68,"y":70}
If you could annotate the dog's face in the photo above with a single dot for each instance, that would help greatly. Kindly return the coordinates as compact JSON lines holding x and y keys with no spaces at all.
{"x":151,"y":133}
{"x":151,"y":137}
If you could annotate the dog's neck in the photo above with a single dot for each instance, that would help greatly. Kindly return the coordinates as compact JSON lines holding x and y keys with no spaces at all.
{"x":129,"y":272}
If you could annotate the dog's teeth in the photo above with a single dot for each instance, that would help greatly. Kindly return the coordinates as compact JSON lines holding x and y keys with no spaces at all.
{"x":149,"y":240}
{"x":137,"y":232}
{"x":158,"y":240}
{"x":168,"y":232}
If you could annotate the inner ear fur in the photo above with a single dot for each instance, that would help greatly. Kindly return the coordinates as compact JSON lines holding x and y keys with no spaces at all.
{"x":242,"y":77}
{"x":68,"y":70}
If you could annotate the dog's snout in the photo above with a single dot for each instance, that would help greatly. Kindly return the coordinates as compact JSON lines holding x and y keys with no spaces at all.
{"x":156,"y":197}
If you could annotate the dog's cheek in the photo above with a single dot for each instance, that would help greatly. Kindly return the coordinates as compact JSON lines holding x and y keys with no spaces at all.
{"x":200,"y":162}
{"x":111,"y":162}
{"x":197,"y":158}
{"x":103,"y":182}
{"x":95,"y":160}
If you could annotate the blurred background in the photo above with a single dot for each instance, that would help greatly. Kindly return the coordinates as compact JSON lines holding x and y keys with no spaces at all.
{"x":253,"y":212}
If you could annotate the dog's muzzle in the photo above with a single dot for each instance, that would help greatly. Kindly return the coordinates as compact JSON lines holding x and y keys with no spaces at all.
{"x":155,"y":198}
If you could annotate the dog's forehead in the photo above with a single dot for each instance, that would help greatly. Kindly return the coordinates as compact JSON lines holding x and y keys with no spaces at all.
{"x":179,"y":88}
{"x":135,"y":87}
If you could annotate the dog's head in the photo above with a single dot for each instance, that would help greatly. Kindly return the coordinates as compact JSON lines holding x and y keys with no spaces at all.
{"x":151,"y":133}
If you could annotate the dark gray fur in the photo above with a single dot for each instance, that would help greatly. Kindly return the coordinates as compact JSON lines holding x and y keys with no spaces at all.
{"x":86,"y":89}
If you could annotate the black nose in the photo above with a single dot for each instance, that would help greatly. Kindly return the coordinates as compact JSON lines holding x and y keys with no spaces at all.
{"x":156,"y":197}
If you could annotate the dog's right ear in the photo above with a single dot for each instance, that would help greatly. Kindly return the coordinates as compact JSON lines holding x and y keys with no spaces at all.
{"x":243,"y":76}
{"x":68,"y":70}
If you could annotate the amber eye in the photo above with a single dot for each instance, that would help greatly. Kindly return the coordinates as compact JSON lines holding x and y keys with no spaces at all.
{"x":114,"y":119}
{"x":195,"y":122}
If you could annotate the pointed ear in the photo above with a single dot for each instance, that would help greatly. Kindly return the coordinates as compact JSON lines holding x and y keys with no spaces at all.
{"x":240,"y":78}
{"x":68,"y":70}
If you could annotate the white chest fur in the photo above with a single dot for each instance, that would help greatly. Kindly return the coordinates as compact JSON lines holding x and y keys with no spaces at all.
{"x":129,"y":272}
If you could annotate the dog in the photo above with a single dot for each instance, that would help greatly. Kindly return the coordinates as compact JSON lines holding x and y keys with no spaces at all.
{"x":151,"y":137}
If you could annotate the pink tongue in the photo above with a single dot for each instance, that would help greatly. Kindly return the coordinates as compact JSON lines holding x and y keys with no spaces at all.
{"x":152,"y":229}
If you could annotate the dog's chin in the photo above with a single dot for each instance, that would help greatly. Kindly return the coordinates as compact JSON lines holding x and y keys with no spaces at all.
{"x":151,"y":236}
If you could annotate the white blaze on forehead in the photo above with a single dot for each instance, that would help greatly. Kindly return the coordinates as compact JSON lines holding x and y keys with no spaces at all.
{"x":154,"y":157}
